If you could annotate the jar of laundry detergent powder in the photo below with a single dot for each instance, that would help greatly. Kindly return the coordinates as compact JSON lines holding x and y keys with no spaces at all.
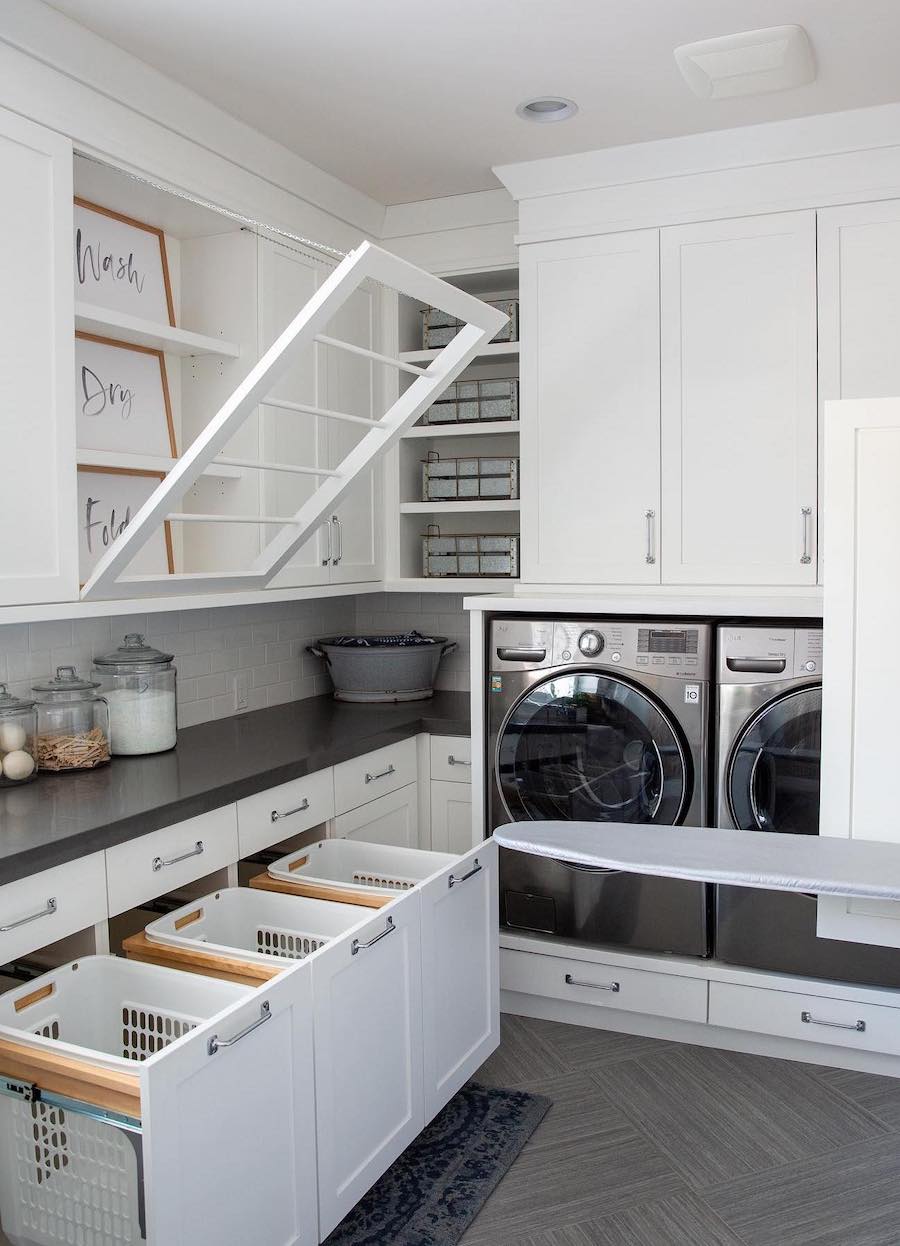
{"x":138,"y":682}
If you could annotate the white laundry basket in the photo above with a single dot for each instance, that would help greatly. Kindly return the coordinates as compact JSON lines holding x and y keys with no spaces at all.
{"x":65,"y":1179}
{"x":359,"y":866}
{"x":257,"y":925}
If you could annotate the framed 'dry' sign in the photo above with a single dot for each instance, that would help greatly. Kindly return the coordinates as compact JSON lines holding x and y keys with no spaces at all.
{"x":121,"y":264}
{"x":108,"y":499}
{"x":122,"y":398}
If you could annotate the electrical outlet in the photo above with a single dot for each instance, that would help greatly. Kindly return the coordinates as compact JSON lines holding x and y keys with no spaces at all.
{"x":241,"y":685}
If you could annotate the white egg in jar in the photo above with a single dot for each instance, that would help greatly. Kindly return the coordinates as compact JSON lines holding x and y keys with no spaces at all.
{"x":18,"y":765}
{"x":12,"y":737}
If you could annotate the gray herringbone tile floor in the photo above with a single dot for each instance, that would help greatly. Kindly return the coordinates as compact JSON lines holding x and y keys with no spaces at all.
{"x":662,"y":1144}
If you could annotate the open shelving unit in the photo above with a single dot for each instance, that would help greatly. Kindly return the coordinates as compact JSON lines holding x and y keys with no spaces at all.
{"x":121,"y":327}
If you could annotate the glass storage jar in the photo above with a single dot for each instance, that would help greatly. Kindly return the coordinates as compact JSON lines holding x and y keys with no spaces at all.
{"x":72,"y":723}
{"x":18,"y":727}
{"x":139,"y":685}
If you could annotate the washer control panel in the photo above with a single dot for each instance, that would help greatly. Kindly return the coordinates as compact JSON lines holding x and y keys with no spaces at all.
{"x":677,"y":650}
{"x":591,"y":643}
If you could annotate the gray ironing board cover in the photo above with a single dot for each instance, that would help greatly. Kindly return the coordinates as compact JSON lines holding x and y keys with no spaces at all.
{"x":772,"y":862}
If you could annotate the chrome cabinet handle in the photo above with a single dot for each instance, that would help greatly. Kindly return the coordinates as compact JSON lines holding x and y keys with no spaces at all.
{"x":356,"y":946}
{"x":216,"y":1044}
{"x":808,"y":1019}
{"x":457,"y":761}
{"x":339,"y":529}
{"x":594,"y":986}
{"x":521,"y":655}
{"x":476,"y":869}
{"x":276,"y":816}
{"x":327,"y":559}
{"x":160,"y":864}
{"x":382,"y":774}
{"x":33,"y":917}
{"x":806,"y":513}
{"x":650,"y":516}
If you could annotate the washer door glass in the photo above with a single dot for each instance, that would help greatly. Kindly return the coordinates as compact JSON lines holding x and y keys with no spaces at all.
{"x":773,"y":773}
{"x":591,"y":748}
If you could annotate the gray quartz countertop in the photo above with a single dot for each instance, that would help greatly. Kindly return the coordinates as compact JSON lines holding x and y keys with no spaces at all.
{"x":61,"y":817}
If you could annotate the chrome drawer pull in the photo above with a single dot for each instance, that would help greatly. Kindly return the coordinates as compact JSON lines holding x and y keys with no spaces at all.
{"x":808,"y":1019}
{"x":23,"y":921}
{"x":382,"y":774}
{"x":160,"y":864}
{"x":216,"y":1044}
{"x":453,"y":880}
{"x":276,"y":816}
{"x":457,"y":761}
{"x":594,"y":986}
{"x":356,"y":946}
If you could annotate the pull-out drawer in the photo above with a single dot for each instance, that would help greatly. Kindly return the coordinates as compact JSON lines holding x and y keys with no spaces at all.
{"x":276,"y":814}
{"x":170,"y":858}
{"x":48,"y":906}
{"x":604,"y":985}
{"x":451,"y":758}
{"x":811,"y":1018}
{"x":391,"y":820}
{"x":366,"y":778}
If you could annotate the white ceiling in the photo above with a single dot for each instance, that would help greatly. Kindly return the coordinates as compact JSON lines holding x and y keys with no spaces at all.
{"x":414,"y":99}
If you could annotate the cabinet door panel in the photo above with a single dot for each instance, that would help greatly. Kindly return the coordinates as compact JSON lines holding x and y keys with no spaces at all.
{"x":739,"y":429}
{"x":39,"y":560}
{"x":368,"y":1055}
{"x":392,"y":819}
{"x":590,"y":410}
{"x":451,"y":816}
{"x":460,"y":973}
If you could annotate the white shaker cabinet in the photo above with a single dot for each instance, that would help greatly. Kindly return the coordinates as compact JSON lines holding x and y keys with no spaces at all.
{"x":37,"y":366}
{"x":590,"y":410}
{"x":392,"y":819}
{"x":739,"y":420}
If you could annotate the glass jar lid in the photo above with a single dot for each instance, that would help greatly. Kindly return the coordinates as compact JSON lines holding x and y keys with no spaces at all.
{"x":10,"y":704}
{"x":135,"y":650}
{"x":67,"y":680}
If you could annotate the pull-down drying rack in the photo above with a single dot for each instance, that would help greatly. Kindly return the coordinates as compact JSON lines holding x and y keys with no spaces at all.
{"x":480,"y":323}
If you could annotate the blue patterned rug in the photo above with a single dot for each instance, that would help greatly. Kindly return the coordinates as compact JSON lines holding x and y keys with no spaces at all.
{"x":437,"y":1187}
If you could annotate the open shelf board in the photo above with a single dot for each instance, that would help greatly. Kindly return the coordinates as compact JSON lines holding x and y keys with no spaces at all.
{"x":122,"y":327}
{"x":473,"y":429}
{"x":464,"y":508}
{"x":496,"y":351}
{"x":149,"y":463}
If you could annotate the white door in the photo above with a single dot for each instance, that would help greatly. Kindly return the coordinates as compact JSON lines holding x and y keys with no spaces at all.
{"x":739,"y":428}
{"x":590,"y":410}
{"x":392,"y":819}
{"x":862,"y":688}
{"x":288,"y":278}
{"x":39,"y":557}
{"x":451,"y":816}
{"x":460,"y":973}
{"x":229,"y":1135}
{"x":368,"y":1055}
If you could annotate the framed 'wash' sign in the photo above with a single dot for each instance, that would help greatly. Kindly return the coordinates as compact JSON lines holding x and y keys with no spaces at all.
{"x":121,"y":264}
{"x":122,"y":399}
{"x":108,"y":499}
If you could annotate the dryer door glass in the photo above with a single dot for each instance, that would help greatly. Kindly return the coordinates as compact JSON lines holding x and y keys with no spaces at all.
{"x":773,"y":772}
{"x":592,"y":748}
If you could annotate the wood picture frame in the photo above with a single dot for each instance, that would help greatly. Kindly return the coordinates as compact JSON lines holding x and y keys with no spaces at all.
{"x":100,"y":521}
{"x":116,"y":263}
{"x":108,"y":387}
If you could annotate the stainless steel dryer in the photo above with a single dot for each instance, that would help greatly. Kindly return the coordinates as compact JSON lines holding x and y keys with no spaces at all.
{"x":768,"y":735}
{"x":601,"y":721}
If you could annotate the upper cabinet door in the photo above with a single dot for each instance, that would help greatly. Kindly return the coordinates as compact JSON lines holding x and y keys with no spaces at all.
{"x":739,"y":426}
{"x":590,"y":410}
{"x":37,"y":366}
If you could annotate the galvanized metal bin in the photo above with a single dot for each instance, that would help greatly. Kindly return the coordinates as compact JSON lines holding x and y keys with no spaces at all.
{"x":467,"y":554}
{"x":468,"y":402}
{"x":439,"y":328}
{"x":489,"y":478}
{"x":383,"y":668}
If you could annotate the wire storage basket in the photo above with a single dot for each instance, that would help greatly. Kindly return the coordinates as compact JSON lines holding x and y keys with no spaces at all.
{"x":474,"y":478}
{"x":468,"y":554}
{"x":439,"y":328}
{"x":65,"y":1177}
{"x":471,"y":402}
{"x":356,"y":866}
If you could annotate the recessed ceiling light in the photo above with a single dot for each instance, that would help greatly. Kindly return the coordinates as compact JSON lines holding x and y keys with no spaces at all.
{"x":750,"y":63}
{"x":547,"y":108}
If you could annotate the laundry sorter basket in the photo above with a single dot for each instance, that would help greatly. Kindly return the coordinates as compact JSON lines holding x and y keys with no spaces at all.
{"x":66,"y":1178}
{"x":357,"y":866}
{"x":255,"y":925}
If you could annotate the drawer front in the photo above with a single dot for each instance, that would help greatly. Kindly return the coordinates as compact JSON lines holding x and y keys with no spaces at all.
{"x":366,"y":778}
{"x":392,"y":819}
{"x":811,"y":1018}
{"x":451,"y":758}
{"x":271,"y":816}
{"x":48,"y":906}
{"x":604,"y":986}
{"x":164,"y":860}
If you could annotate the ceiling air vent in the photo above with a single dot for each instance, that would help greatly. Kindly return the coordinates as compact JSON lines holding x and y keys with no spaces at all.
{"x":750,"y":63}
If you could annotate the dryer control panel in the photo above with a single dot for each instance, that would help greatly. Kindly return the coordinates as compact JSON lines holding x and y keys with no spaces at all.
{"x":752,"y":654}
{"x":676,"y":650}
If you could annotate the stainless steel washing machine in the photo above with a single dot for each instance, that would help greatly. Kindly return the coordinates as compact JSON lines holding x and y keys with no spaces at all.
{"x":768,"y":735}
{"x":600,"y":720}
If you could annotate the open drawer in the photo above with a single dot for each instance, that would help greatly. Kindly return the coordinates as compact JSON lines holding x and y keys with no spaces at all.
{"x":124,"y":1108}
{"x":355,"y":866}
